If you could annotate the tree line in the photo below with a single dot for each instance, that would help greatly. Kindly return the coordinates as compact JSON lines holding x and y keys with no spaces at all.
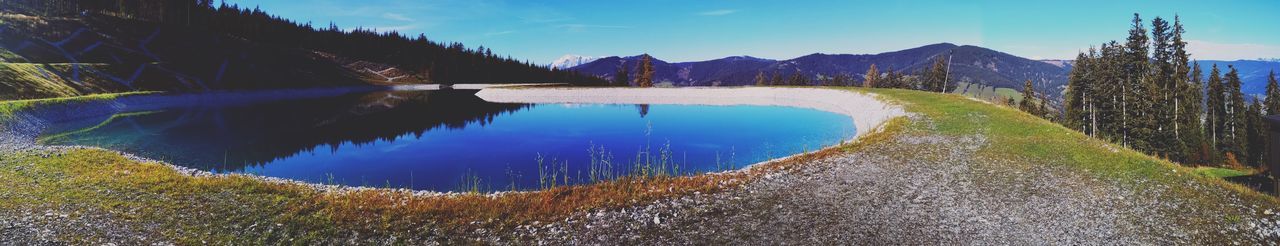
{"x":1147,"y":94}
{"x":430,"y":60}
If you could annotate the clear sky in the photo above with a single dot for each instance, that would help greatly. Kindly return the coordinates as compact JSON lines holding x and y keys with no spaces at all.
{"x":688,"y":30}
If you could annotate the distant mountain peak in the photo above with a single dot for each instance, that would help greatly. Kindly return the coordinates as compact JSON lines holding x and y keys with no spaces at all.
{"x":572,"y":60}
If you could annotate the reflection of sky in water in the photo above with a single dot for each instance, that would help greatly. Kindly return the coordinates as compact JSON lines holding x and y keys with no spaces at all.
{"x":404,"y":144}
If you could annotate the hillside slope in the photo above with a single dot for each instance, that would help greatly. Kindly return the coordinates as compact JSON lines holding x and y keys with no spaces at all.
{"x":68,"y":48}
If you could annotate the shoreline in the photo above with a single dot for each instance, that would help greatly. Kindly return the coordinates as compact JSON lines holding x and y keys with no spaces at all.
{"x":876,"y":113}
{"x":867,"y":112}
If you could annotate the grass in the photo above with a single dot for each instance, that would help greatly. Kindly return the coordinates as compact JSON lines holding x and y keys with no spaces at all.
{"x":31,"y":79}
{"x":236,"y":209}
{"x":1026,"y":140}
{"x":1219,"y":172}
{"x":7,"y":108}
{"x":988,"y":93}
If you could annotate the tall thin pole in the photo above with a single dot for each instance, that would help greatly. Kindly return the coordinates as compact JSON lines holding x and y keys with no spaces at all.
{"x":947,"y":78}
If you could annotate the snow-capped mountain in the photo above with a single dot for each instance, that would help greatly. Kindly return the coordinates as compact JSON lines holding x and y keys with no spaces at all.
{"x":571,"y":60}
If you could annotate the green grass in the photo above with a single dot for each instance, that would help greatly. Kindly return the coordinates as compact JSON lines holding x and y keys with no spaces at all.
{"x":1022,"y":139}
{"x":988,"y":93}
{"x":33,"y":80}
{"x":7,"y":108}
{"x":1219,"y":172}
{"x":8,"y":56}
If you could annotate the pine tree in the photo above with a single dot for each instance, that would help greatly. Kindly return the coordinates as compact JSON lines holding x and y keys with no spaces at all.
{"x":646,"y":71}
{"x":1216,"y":113}
{"x":1273,"y":95}
{"x":760,"y":79}
{"x":934,"y":78}
{"x":1075,"y":105}
{"x":1028,"y":94}
{"x":1186,"y":103}
{"x":777,"y":79}
{"x":872,"y":77}
{"x":1161,"y":86}
{"x":1043,"y":111}
{"x":1236,"y":116}
{"x":622,"y":77}
{"x":1193,"y":134}
{"x":1136,"y":90}
{"x":1107,"y":70}
{"x":797,"y":79}
{"x":1257,"y":134}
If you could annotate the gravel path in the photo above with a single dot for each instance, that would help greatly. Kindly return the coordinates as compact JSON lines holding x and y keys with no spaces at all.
{"x":916,"y":189}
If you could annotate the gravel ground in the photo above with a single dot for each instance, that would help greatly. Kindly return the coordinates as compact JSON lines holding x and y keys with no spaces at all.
{"x":915,"y":190}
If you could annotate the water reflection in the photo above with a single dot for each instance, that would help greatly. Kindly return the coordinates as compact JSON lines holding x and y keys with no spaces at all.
{"x":440,"y":140}
{"x":232,"y":137}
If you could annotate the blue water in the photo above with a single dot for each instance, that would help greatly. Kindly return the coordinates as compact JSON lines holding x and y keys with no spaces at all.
{"x":436,"y":140}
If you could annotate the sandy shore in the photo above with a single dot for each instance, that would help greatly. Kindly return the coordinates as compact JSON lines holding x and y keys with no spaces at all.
{"x":868,"y":113}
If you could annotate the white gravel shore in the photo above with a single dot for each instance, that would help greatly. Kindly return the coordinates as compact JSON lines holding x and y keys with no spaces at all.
{"x":868,"y":113}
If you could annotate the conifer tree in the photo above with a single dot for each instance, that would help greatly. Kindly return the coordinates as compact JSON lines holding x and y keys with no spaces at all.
{"x":1193,"y":134}
{"x":1027,"y":95}
{"x":1137,"y":89}
{"x":646,"y":71}
{"x":1186,"y":98}
{"x":1273,"y":95}
{"x":1216,"y":110}
{"x":1075,"y":113}
{"x":760,"y":79}
{"x":1257,"y":134}
{"x":934,"y":78}
{"x":1237,"y":116}
{"x":777,"y":79}
{"x":622,"y":78}
{"x":1159,"y":116}
{"x":872,"y":77}
{"x":1043,"y":111}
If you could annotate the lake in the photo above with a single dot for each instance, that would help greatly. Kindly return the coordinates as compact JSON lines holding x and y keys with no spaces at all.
{"x":445,"y":140}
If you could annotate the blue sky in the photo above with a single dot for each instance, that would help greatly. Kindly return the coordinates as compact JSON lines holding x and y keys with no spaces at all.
{"x":541,"y":31}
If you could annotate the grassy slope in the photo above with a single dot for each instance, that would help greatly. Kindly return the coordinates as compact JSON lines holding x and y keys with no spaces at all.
{"x":988,"y":93}
{"x":9,"y":107}
{"x":33,"y":79}
{"x":240,"y":209}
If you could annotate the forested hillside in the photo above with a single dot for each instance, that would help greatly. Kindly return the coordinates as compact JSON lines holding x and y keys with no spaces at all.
{"x":1149,"y":94}
{"x":67,"y":48}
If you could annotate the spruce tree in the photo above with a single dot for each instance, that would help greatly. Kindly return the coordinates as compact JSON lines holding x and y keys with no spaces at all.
{"x":934,"y":78}
{"x":871,"y":78}
{"x":1077,"y":96}
{"x":1043,"y":111}
{"x":1257,"y":134}
{"x":1273,"y":95}
{"x":1216,"y":110}
{"x":1135,"y":104}
{"x":1236,"y":116}
{"x":1186,"y":103}
{"x":646,"y":71}
{"x":1027,"y":95}
{"x":622,"y":77}
{"x":1159,"y":116}
{"x":760,"y":79}
{"x":1193,"y":130}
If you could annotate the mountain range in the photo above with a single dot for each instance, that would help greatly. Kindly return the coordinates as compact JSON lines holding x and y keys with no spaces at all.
{"x":969,"y":64}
